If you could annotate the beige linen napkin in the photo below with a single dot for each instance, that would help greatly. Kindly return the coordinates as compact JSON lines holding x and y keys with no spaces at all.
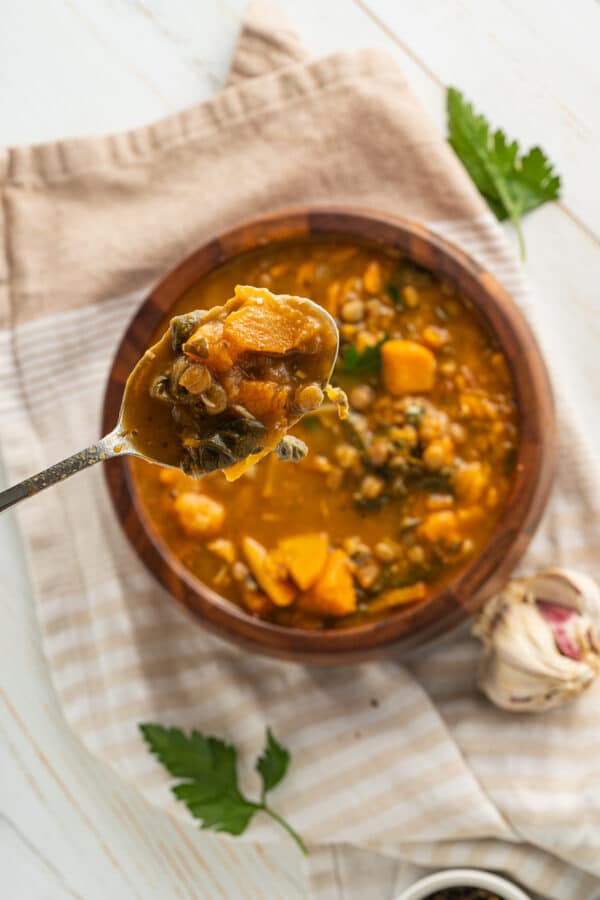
{"x":430,"y":774}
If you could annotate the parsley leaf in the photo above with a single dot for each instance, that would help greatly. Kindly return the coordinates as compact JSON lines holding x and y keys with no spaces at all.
{"x":226,"y":810}
{"x":512,"y":184}
{"x":362,"y":362}
{"x":210,"y":788}
{"x":273,"y":762}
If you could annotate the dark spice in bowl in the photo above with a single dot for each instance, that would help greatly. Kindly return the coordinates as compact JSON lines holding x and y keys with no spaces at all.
{"x":463,"y":893}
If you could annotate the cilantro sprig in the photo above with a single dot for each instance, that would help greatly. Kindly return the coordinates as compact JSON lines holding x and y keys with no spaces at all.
{"x":512,"y":183}
{"x":208,"y":767}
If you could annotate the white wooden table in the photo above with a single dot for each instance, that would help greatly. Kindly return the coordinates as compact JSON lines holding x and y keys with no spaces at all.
{"x":79,"y":67}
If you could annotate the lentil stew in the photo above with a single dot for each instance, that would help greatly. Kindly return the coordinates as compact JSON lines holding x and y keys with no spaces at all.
{"x":389,"y":504}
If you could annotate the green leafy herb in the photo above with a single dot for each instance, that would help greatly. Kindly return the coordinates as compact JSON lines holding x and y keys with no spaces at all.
{"x":362,"y":362}
{"x":272,"y":764}
{"x":210,"y":787}
{"x":393,"y":292}
{"x":511,"y":183}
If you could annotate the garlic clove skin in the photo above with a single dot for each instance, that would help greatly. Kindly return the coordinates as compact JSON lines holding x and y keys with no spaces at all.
{"x":540,"y":643}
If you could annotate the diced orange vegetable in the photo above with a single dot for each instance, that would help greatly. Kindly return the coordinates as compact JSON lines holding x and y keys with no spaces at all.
{"x":268,"y":327}
{"x":304,"y":556}
{"x":399,"y":596}
{"x":232,"y":473}
{"x":471,"y":481}
{"x":333,"y":593}
{"x":407,"y":367}
{"x":266,"y":400}
{"x":199,"y":515}
{"x":441,"y":527}
{"x":269,"y":572}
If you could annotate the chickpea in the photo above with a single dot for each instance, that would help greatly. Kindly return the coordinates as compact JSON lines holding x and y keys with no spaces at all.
{"x":239,"y":571}
{"x":435,"y":337}
{"x":416,"y":554}
{"x":438,"y":453}
{"x":367,"y":573}
{"x":386,"y":550}
{"x":433,"y":425}
{"x":347,"y":455}
{"x":448,"y":367}
{"x":375,"y":308}
{"x":215,"y":399}
{"x":196,"y":379}
{"x":362,"y":397}
{"x":439,"y":501}
{"x":407,"y":434}
{"x":310,"y":396}
{"x":458,"y":433}
{"x":378,"y":452}
{"x":320,"y":463}
{"x":371,"y":487}
{"x":348,"y":331}
{"x":410,"y":295}
{"x":364,"y":338}
{"x":355,"y":547}
{"x":353,"y":311}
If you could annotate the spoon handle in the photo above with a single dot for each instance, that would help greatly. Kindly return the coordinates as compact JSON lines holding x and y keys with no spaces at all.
{"x":98,"y":452}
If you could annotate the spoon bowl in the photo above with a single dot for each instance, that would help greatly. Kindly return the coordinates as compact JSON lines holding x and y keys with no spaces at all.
{"x":132,"y":436}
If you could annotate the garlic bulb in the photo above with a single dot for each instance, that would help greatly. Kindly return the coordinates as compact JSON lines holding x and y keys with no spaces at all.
{"x":541,"y":648}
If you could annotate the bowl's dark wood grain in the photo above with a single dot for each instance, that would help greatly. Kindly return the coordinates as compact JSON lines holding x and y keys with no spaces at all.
{"x":409,"y":628}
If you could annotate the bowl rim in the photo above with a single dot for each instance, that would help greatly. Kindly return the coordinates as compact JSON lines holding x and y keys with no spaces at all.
{"x":446,"y":609}
{"x":479,"y":878}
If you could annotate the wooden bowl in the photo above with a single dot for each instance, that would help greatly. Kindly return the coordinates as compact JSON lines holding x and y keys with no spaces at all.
{"x":411,"y":627}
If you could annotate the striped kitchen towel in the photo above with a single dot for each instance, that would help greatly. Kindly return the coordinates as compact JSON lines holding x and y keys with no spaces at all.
{"x":431,"y":774}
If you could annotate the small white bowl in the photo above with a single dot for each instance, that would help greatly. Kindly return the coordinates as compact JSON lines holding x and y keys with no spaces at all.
{"x":506,"y":890}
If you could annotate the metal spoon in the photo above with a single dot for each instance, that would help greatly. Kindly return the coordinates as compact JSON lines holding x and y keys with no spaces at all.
{"x":113,"y":444}
{"x":117,"y":443}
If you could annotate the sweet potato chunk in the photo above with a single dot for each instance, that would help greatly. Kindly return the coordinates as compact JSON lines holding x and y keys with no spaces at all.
{"x":199,"y":515}
{"x":333,"y":593}
{"x":266,"y":400}
{"x":268,"y":327}
{"x":304,"y":557}
{"x":407,"y":367}
{"x":441,"y":527}
{"x":269,"y":572}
